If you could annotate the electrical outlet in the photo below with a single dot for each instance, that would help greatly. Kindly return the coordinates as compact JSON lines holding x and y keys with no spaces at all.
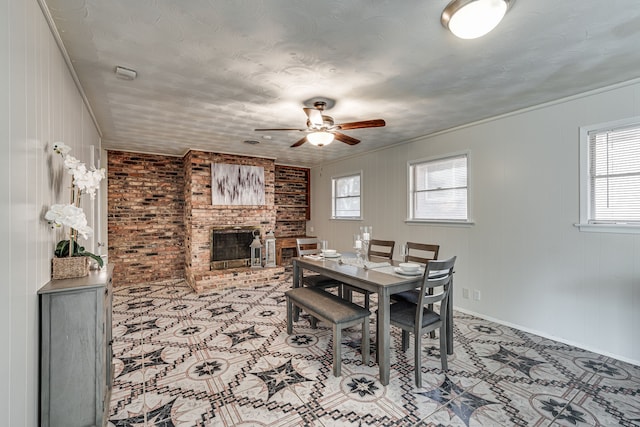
{"x":476,"y":295}
{"x":465,"y":293}
{"x":311,"y":229}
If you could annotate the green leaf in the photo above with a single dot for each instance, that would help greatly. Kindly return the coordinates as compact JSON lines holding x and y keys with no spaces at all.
{"x":97,"y":258}
{"x":62,"y":249}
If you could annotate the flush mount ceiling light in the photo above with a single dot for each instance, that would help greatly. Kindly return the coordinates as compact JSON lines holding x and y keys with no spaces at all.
{"x":320,"y":138}
{"x":470,"y":19}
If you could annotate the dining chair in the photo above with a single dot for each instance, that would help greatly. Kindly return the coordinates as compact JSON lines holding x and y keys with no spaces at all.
{"x":311,"y":246}
{"x":380,"y":250}
{"x":437,"y":284}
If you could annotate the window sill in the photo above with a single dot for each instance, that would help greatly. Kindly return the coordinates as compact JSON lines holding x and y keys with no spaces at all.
{"x":610,"y":228}
{"x":345,"y":219}
{"x":444,"y":223}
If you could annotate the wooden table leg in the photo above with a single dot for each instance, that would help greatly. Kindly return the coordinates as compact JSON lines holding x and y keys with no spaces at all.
{"x":383,"y":336}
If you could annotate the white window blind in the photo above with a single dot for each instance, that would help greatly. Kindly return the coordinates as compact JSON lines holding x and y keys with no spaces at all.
{"x":614,"y":175}
{"x":438,"y":189}
{"x":346,"y":197}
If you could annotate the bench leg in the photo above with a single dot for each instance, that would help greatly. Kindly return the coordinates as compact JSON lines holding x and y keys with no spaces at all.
{"x":289,"y":316}
{"x":337,"y":343}
{"x":364,"y":347}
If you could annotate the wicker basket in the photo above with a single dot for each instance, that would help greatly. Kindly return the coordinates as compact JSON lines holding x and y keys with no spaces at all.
{"x":70,"y":267}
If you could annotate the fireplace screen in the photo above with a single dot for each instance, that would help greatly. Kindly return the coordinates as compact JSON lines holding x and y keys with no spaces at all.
{"x":230,"y":247}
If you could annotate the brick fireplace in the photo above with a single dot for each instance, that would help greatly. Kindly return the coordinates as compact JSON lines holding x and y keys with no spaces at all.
{"x":200,"y":217}
{"x":160,"y":217}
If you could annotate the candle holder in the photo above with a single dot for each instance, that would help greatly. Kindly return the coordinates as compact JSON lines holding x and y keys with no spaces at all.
{"x":270,"y":250}
{"x":256,"y":250}
{"x":357,"y":245}
{"x":366,"y":231}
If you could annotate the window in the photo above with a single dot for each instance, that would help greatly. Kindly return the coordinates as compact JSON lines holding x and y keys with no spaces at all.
{"x":438,"y":189}
{"x":346,"y":198}
{"x":610,"y":174}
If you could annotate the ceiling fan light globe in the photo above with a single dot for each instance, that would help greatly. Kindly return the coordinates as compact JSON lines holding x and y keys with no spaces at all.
{"x":470,"y":19}
{"x":320,"y":138}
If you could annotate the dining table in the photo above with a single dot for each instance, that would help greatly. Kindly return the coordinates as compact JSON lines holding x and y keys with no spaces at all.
{"x":381,"y":278}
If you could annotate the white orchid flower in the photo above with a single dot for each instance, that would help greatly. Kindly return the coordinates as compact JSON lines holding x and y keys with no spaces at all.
{"x":71,"y":164}
{"x":88,"y":181}
{"x":61,"y":148}
{"x":56,"y":214}
{"x":84,"y":230}
{"x":70,"y":216}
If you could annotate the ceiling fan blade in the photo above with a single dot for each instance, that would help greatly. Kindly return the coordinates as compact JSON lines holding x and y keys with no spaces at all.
{"x":363,"y":124}
{"x":300,"y":142}
{"x":315,"y":116}
{"x":346,"y":138}
{"x":302,"y":130}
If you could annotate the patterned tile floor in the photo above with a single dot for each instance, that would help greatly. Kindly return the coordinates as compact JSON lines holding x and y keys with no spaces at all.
{"x":224,"y":359}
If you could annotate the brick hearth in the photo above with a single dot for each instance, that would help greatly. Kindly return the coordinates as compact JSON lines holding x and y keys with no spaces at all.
{"x":235,"y":278}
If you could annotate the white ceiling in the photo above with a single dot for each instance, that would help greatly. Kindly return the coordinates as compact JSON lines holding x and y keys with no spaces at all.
{"x":210,"y":71}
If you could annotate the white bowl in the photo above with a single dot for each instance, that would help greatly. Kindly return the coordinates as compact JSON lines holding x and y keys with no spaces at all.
{"x":409,"y":267}
{"x":329,"y":252}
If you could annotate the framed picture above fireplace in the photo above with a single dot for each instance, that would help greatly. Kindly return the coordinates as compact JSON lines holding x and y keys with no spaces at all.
{"x":237,"y":184}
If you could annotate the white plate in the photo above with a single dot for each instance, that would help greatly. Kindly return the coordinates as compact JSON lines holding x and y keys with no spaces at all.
{"x":407,"y":273}
{"x":336,"y":255}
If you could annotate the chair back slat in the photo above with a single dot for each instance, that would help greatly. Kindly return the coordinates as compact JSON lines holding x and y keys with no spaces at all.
{"x":307,"y":246}
{"x":421,"y":252}
{"x":381,"y":248}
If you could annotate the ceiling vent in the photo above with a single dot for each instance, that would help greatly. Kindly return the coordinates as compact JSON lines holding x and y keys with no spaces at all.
{"x":126,"y":73}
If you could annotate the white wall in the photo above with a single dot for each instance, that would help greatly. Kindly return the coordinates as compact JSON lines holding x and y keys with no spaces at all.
{"x":534,"y":269}
{"x":5,"y":206}
{"x":45,"y":107}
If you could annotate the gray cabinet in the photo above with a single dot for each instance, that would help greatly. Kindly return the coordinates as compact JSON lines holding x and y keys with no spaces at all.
{"x":75,"y":350}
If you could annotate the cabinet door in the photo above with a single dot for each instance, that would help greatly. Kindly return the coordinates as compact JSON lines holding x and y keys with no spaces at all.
{"x":72,"y":358}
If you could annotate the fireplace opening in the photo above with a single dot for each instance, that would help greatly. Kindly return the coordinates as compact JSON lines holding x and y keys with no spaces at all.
{"x":231,"y":247}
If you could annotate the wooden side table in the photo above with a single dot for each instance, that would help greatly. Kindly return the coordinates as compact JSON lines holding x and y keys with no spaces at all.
{"x":286,"y":242}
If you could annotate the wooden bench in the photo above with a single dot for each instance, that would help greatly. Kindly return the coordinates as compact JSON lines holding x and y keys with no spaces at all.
{"x":333,"y":310}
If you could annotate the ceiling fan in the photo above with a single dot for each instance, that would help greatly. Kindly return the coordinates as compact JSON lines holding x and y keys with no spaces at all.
{"x":321,"y":130}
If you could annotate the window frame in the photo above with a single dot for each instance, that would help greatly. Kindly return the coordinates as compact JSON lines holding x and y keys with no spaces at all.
{"x":410,"y":191}
{"x":334,"y":179}
{"x":586,"y":222}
